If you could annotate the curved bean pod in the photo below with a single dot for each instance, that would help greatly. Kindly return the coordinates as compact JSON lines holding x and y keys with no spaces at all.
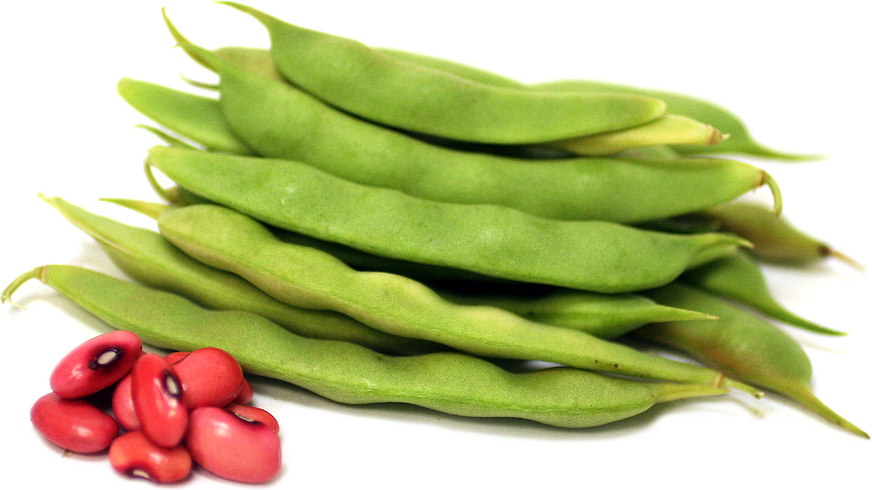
{"x":147,"y":257}
{"x":774,"y":238}
{"x":309,"y":278}
{"x":739,"y":277}
{"x":490,"y":240}
{"x":740,"y":140}
{"x":742,"y":345}
{"x":381,"y":88}
{"x":448,"y":382}
{"x":193,"y":116}
{"x":670,"y":129}
{"x":279,"y":121}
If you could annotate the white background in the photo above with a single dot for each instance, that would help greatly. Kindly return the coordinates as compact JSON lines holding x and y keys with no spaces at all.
{"x":797,"y":75}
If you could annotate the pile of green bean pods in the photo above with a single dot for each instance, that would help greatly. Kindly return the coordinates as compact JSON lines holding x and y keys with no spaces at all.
{"x":376,"y":225}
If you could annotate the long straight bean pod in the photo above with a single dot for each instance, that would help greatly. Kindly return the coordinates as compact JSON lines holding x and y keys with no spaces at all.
{"x":742,"y":345}
{"x":278,"y":120}
{"x":739,"y":277}
{"x":149,"y":258}
{"x":310,"y":278}
{"x":448,"y":382}
{"x":382,"y":88}
{"x":490,"y":240}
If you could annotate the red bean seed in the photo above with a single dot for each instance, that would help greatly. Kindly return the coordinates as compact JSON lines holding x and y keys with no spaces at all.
{"x":95,"y":364}
{"x":254,"y":414}
{"x":157,"y":400}
{"x":135,"y":455}
{"x":245,"y":393}
{"x":122,"y":405}
{"x":74,"y":425}
{"x":174,"y":357}
{"x":210,"y":377}
{"x":232,"y":448}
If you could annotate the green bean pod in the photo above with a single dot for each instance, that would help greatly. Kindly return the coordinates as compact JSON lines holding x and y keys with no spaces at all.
{"x":671,"y":129}
{"x":279,"y":121}
{"x":491,"y":240}
{"x":193,"y":116}
{"x":775,"y":239}
{"x":742,"y":345}
{"x":606,"y":316}
{"x":448,"y":382}
{"x":740,"y":140}
{"x":363,"y":81}
{"x":738,"y":277}
{"x":149,"y":258}
{"x":310,"y":278}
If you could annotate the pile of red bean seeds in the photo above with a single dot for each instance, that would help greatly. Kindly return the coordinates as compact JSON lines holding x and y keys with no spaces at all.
{"x":167,"y":413}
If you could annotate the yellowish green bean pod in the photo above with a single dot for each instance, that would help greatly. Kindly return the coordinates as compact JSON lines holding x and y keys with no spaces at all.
{"x":775,"y":239}
{"x":363,"y":81}
{"x":743,"y":345}
{"x":348,"y":373}
{"x":739,"y":277}
{"x":149,"y":258}
{"x":310,"y":278}
{"x":491,"y":240}
{"x":279,"y":121}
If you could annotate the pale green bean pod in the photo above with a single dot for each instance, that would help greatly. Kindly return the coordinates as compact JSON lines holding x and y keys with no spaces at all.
{"x":310,"y":278}
{"x":363,"y":81}
{"x":348,"y":373}
{"x":149,"y":258}
{"x":490,"y":240}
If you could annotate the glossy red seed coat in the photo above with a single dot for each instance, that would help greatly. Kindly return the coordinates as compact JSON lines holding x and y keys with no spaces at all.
{"x":232,"y":448}
{"x":174,"y":357}
{"x":157,"y":401}
{"x":210,"y":377}
{"x":95,"y":364}
{"x":74,"y":425}
{"x":135,"y":455}
{"x":254,"y":414}
{"x":122,"y":405}
{"x":245,"y":393}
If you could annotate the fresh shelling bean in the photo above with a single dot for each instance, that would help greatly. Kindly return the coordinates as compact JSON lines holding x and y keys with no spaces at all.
{"x":449,"y":382}
{"x":122,"y":406}
{"x":491,"y":240}
{"x":149,"y":258}
{"x":774,"y":238}
{"x":395,"y":93}
{"x":738,"y":277}
{"x":78,"y":425}
{"x":619,"y":190}
{"x":73,"y":425}
{"x":233,"y":447}
{"x":208,"y":377}
{"x":310,"y":278}
{"x":743,"y":345}
{"x":95,"y":364}
{"x":157,"y":401}
{"x":134,"y":454}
